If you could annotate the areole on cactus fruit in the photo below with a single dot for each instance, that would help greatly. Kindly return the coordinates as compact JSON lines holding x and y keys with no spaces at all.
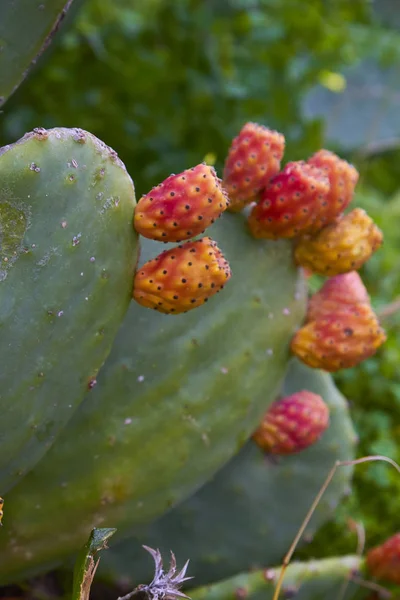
{"x":67,"y":258}
{"x":245,"y":516}
{"x":176,"y":399}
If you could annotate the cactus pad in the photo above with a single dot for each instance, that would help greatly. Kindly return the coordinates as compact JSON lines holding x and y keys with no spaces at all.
{"x":67,"y":256}
{"x":177,"y":397}
{"x":247,"y":516}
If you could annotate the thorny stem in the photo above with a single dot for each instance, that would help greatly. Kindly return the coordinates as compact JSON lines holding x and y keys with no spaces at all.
{"x":317,"y":499}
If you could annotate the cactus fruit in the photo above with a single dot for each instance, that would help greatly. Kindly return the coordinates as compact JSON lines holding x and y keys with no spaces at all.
{"x":67,"y":258}
{"x":26,"y":29}
{"x":182,"y":278}
{"x":292,"y":423}
{"x":313,"y":580}
{"x":341,"y":292}
{"x":340,"y":247}
{"x":339,"y":340}
{"x":290,"y":204}
{"x":245,"y":516}
{"x":182,"y":206}
{"x":383,"y":561}
{"x":174,"y":401}
{"x":343,"y":179}
{"x":254,"y":157}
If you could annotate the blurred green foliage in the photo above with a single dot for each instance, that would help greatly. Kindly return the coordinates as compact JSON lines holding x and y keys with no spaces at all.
{"x":167,"y":82}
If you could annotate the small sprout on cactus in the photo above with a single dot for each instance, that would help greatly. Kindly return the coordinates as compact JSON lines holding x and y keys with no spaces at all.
{"x":87,"y":562}
{"x":290,"y":204}
{"x":314,"y":505}
{"x":164,"y":586}
{"x":383,"y":561}
{"x":182,"y":278}
{"x":339,"y":292}
{"x":343,"y":179}
{"x":254,"y":157}
{"x":340,"y":247}
{"x":293,"y":423}
{"x":182,"y":206}
{"x":339,"y":340}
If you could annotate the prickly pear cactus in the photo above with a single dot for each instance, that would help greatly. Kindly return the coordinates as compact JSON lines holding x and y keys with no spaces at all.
{"x":26,"y":29}
{"x":177,"y":397}
{"x":245,"y":517}
{"x":313,"y":580}
{"x":67,"y":256}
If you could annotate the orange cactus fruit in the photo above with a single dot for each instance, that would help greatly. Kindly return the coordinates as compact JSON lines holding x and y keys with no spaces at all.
{"x":182,"y":206}
{"x":293,"y":423}
{"x":340,"y":247}
{"x":182,"y":278}
{"x":338,"y":293}
{"x":343,"y":178}
{"x":383,"y":562}
{"x":340,"y":339}
{"x":288,"y":206}
{"x":254,"y":157}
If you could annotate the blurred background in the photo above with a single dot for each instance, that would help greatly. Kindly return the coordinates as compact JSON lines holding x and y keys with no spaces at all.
{"x":169,"y":83}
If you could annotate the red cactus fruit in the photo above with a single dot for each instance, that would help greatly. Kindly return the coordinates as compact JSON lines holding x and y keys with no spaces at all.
{"x":182,"y":206}
{"x":254,"y":157}
{"x":340,"y":339}
{"x":343,"y":179}
{"x":383,"y":561}
{"x":289,"y":205}
{"x":182,"y":278}
{"x":337,"y":294}
{"x":293,"y":423}
{"x":340,"y":247}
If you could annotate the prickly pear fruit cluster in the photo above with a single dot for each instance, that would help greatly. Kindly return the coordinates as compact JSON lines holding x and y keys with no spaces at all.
{"x":383,"y":561}
{"x":341,"y":331}
{"x":181,"y":278}
{"x":340,"y":247}
{"x":180,"y":208}
{"x":254,"y":157}
{"x":292,"y":423}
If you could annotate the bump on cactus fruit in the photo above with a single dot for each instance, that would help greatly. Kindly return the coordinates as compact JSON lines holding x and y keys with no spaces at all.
{"x":254,"y":157}
{"x":293,"y":423}
{"x":291,"y":202}
{"x":245,"y":517}
{"x":174,"y":401}
{"x":182,"y":206}
{"x":182,"y":278}
{"x":67,"y":259}
{"x":340,"y":339}
{"x":383,"y":561}
{"x":337,"y":294}
{"x":340,"y":247}
{"x":343,"y":179}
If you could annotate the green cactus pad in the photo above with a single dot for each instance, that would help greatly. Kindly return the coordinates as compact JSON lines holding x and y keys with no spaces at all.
{"x":177,"y":397}
{"x":313,"y":580}
{"x":26,"y":29}
{"x":247,"y":516}
{"x":67,"y":257}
